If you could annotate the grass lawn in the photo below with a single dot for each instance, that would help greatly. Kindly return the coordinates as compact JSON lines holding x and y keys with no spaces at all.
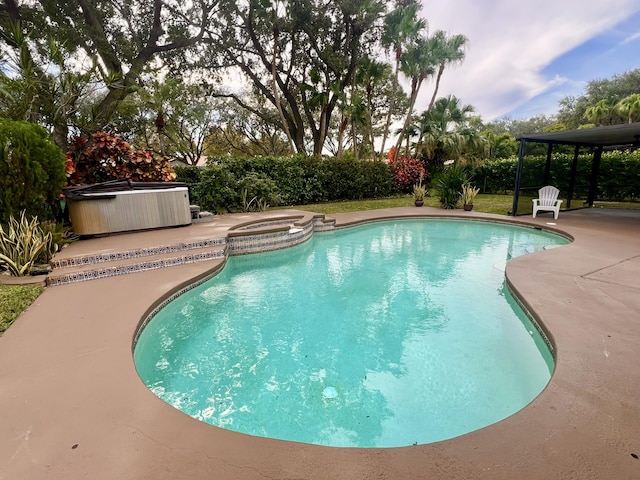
{"x":485,"y":203}
{"x":634,"y":204}
{"x":499,"y":204}
{"x":14,"y":299}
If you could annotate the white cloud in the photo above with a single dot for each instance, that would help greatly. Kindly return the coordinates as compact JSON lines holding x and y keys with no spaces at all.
{"x":630,"y":38}
{"x":511,"y":42}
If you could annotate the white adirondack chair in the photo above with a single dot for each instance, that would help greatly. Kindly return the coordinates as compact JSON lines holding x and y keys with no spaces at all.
{"x":547,"y":201}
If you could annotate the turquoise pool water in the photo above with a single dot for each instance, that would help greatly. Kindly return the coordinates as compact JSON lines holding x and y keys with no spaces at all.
{"x":382,"y":335}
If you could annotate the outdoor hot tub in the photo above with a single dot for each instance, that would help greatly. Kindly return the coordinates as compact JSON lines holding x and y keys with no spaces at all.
{"x":122,"y":206}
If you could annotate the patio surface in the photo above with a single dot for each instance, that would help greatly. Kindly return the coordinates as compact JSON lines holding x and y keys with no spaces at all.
{"x":72,"y":405}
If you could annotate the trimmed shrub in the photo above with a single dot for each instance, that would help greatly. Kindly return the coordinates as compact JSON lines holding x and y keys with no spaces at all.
{"x":105,"y":156}
{"x":258,"y":192}
{"x":348,"y":179}
{"x":407,"y":172}
{"x":189,"y":174}
{"x":295,"y":180}
{"x":217,"y":190}
{"x":31,"y":171}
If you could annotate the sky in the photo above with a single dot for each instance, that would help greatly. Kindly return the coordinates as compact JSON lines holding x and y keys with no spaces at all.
{"x":523,"y":57}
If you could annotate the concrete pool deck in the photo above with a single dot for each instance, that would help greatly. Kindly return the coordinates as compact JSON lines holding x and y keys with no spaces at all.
{"x":72,"y":405}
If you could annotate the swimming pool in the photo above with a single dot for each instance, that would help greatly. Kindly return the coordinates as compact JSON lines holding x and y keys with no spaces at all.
{"x":381,"y":335}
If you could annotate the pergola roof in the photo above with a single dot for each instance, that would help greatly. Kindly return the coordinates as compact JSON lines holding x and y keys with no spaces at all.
{"x":610,"y":136}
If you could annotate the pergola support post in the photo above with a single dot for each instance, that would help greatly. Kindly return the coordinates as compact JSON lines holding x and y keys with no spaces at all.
{"x":595,"y":171}
{"x":547,"y":165}
{"x":516,"y":189}
{"x":572,"y":179}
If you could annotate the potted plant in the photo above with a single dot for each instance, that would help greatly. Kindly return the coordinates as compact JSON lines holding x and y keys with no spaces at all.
{"x":469,"y":192}
{"x":418,"y":193}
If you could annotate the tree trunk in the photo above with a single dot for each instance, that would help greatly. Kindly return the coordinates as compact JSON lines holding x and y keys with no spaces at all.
{"x":341,"y":130}
{"x":276,"y":95}
{"x":415,"y":88}
{"x":435,"y":91}
{"x":391,"y":106}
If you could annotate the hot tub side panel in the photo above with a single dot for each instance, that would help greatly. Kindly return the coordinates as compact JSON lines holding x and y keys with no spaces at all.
{"x":130,"y":210}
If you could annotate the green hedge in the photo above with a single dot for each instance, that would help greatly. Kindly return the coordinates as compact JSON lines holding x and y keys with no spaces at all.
{"x":227,"y":184}
{"x":619,"y":176}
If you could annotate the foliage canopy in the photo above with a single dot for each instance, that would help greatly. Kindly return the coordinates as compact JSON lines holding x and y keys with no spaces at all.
{"x":31,"y":170}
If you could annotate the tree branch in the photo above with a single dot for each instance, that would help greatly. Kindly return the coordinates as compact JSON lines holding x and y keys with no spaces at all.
{"x":96,"y":33}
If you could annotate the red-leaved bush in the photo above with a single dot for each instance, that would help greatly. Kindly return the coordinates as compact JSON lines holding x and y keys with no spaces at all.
{"x":407,"y":172}
{"x":106,"y":156}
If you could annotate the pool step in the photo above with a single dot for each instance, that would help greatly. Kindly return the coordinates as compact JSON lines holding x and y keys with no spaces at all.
{"x":111,"y":256}
{"x":215,"y":242}
{"x":94,"y":267}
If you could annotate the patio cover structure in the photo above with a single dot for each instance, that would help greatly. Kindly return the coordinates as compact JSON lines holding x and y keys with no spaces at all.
{"x":614,"y":137}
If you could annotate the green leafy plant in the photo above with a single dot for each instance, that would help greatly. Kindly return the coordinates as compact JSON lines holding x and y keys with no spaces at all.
{"x":23,"y":244}
{"x":258,"y":193}
{"x":449,"y":184}
{"x":468,"y":194}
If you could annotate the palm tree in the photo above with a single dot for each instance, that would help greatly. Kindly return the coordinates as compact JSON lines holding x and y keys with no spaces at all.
{"x":417,"y":64}
{"x":446,"y":51}
{"x":445,"y":132}
{"x":401,"y":27}
{"x":359,"y":117}
{"x":501,"y":145}
{"x":369,"y":76}
{"x":629,"y":106}
{"x":599,"y":112}
{"x":407,"y":134}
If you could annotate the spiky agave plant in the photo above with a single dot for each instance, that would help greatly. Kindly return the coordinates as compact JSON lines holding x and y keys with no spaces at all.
{"x":22,"y":244}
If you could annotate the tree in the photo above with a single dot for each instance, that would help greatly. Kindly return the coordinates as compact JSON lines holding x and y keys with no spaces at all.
{"x":401,"y":28}
{"x":501,"y":145}
{"x":319,"y":45}
{"x":121,"y":40}
{"x":239,"y":131}
{"x":629,"y":106}
{"x":517,"y":127}
{"x":600,"y":113}
{"x":370,"y":77}
{"x":359,"y":119}
{"x":375,"y":83}
{"x":173,"y":118}
{"x":421,"y":60}
{"x":38,"y":84}
{"x":572,"y":109}
{"x":446,"y":51}
{"x":446,"y":134}
{"x":417,"y":64}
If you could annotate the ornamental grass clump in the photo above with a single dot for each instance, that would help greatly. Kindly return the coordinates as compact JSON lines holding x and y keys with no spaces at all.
{"x":23,"y":245}
{"x":469,"y":192}
{"x":419,"y":191}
